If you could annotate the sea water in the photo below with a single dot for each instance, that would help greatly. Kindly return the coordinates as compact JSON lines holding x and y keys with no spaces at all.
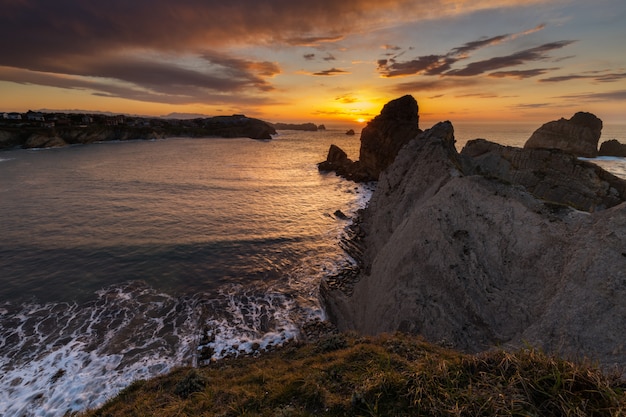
{"x":120,"y":260}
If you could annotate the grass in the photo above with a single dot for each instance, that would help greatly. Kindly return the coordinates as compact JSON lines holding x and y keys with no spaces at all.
{"x":399,"y":375}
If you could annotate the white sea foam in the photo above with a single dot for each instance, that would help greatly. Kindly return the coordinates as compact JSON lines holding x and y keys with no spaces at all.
{"x":57,"y":357}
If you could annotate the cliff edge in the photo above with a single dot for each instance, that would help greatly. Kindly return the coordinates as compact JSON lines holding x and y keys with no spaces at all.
{"x":494,"y":246}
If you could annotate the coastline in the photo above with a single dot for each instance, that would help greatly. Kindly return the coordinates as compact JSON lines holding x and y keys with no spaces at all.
{"x":473,"y":250}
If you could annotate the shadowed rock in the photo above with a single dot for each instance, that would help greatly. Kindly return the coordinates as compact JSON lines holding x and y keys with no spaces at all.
{"x":550,"y":175}
{"x":612,"y":148}
{"x":467,"y":249}
{"x":382,"y":139}
{"x":578,"y":135}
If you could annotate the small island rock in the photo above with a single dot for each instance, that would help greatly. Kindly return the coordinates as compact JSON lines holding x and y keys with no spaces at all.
{"x":612,"y":148}
{"x":578,"y":135}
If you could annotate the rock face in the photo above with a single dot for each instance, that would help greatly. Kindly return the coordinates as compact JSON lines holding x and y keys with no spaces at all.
{"x":578,"y":135}
{"x":552,"y":175}
{"x":382,"y":139}
{"x":337,"y":160}
{"x":612,"y":148}
{"x":457,"y":249}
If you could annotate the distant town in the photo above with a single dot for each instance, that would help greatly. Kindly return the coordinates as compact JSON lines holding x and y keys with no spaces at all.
{"x":38,"y":129}
{"x":39,"y":119}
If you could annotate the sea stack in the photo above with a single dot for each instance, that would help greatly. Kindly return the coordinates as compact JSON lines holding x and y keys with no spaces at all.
{"x":381,"y":140}
{"x":579,"y":135}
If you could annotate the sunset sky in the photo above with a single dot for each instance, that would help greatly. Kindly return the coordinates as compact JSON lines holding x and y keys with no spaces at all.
{"x":323,"y":61}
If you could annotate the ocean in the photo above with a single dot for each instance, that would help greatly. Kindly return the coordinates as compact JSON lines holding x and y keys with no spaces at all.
{"x":122,"y":260}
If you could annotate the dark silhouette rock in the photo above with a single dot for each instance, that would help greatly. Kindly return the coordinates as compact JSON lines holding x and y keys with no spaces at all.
{"x":350,"y":132}
{"x":382,"y":139}
{"x":612,"y":148}
{"x":578,"y":135}
{"x":309,"y":127}
{"x":337,"y":160}
{"x":467,"y":249}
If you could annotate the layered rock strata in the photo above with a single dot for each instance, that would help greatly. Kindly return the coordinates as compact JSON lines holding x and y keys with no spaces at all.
{"x":469,"y":250}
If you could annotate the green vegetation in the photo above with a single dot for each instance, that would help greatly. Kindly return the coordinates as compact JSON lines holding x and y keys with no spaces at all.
{"x":386,"y":376}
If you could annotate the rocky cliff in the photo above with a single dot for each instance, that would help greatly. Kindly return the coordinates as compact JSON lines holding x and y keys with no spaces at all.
{"x":473,"y":250}
{"x":381,"y":140}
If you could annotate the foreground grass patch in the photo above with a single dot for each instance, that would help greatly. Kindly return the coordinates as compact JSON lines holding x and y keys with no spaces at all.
{"x":385,"y":376}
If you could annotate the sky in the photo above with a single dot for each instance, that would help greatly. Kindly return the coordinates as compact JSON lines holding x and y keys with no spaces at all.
{"x":321,"y":61}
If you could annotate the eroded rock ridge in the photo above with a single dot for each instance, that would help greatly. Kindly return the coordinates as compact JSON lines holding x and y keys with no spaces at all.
{"x":493,"y":246}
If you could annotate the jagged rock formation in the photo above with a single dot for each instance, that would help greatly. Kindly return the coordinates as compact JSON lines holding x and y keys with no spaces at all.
{"x":578,"y":135}
{"x":337,"y":160}
{"x":457,"y":249}
{"x":612,"y":148}
{"x":551,"y":175}
{"x":382,"y":139}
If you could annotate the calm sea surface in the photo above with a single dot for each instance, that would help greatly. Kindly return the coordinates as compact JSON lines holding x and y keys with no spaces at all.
{"x":118,"y":260}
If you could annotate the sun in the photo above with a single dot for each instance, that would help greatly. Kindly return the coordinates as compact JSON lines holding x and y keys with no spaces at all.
{"x":360,"y":120}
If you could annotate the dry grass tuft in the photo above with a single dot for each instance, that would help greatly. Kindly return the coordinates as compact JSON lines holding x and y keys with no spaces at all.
{"x":385,"y":376}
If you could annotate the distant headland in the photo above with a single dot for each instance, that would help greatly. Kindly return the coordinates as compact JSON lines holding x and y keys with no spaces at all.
{"x":43,"y":130}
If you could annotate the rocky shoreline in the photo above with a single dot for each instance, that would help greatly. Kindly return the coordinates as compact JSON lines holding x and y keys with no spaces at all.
{"x":492,"y":246}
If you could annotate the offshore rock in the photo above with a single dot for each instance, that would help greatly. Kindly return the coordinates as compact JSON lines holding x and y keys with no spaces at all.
{"x":612,"y":148}
{"x":382,"y":139}
{"x":458,"y":250}
{"x":578,"y":135}
{"x":337,"y":160}
{"x":386,"y":134}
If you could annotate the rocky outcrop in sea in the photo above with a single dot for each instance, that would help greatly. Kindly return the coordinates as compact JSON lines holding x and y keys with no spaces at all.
{"x":578,"y":135}
{"x":612,"y":148}
{"x":381,"y":139}
{"x":493,"y":246}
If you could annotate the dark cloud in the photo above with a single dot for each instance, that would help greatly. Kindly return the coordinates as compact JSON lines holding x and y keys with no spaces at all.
{"x":332,"y":71}
{"x":312,"y":40}
{"x":346,"y":99}
{"x":597,"y":76}
{"x":442,"y":64}
{"x":529,"y":106}
{"x":309,"y":57}
{"x":618,"y":95}
{"x":521,"y":74}
{"x":538,"y":53}
{"x":329,"y":57}
{"x":141,"y":43}
{"x":474,"y":45}
{"x":429,"y":65}
{"x":434,"y":84}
